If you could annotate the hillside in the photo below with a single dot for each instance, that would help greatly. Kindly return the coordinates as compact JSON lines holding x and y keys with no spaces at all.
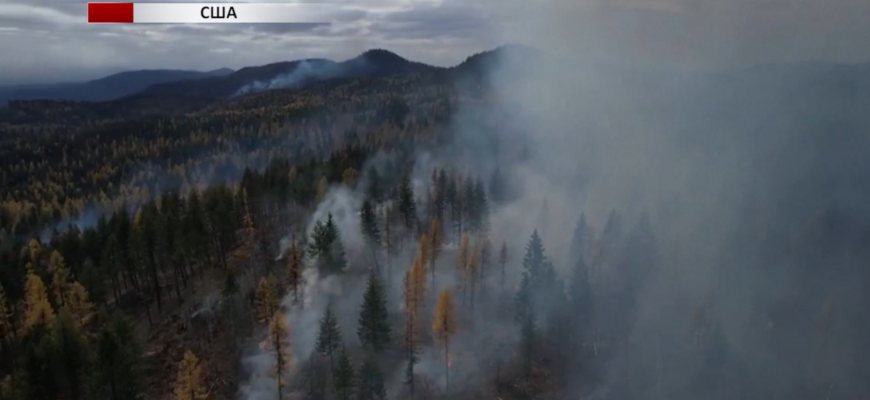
{"x":514,"y":227}
{"x":103,"y":89}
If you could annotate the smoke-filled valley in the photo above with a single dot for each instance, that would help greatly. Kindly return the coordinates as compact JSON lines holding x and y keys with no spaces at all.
{"x":520,"y":226}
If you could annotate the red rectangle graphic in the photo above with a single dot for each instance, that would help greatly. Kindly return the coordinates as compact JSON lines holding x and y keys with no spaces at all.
{"x":118,"y":13}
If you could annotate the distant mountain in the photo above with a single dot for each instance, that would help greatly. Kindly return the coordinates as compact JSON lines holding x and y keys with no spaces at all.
{"x":289,"y":74}
{"x":103,"y":89}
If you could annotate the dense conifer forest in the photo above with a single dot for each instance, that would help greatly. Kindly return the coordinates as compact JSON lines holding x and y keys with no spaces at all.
{"x":407,"y":237}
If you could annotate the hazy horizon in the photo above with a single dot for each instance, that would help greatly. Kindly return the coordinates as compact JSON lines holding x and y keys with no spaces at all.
{"x":666,"y":34}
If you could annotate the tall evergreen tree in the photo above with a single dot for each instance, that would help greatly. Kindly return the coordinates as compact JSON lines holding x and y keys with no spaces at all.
{"x":73,"y":356}
{"x":611,"y":236}
{"x":580,"y":239}
{"x":294,"y":269}
{"x":7,"y":331}
{"x":371,"y":380}
{"x":374,"y":190}
{"x":329,"y":337}
{"x":435,"y":244}
{"x":196,"y":230}
{"x":580,"y":295}
{"x":539,"y":290}
{"x":326,"y":247}
{"x":374,"y":326}
{"x":370,"y":229}
{"x":407,"y":206}
{"x":119,"y":360}
{"x":344,"y":376}
{"x":497,"y":187}
{"x":39,"y":378}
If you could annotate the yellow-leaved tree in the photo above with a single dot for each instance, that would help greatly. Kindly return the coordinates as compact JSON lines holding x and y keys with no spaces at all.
{"x":59,"y":278}
{"x":266,"y":299}
{"x":190,"y":382}
{"x":79,"y":304}
{"x":349,"y":177}
{"x":414,"y":288}
{"x":414,"y":293}
{"x":278,"y":345}
{"x":37,"y":308}
{"x":443,"y":328}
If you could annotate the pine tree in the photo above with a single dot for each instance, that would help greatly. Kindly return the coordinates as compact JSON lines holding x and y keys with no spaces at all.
{"x":196,"y":229}
{"x":483,"y":262}
{"x":456,"y":200}
{"x":407,"y":205}
{"x":580,"y":294}
{"x":611,"y":236}
{"x":344,"y":376}
{"x":37,"y":307}
{"x":371,"y":381}
{"x":443,"y":328}
{"x":247,"y":235}
{"x":539,"y":285}
{"x":329,"y":337}
{"x":72,"y":355}
{"x":528,"y":333}
{"x":230,"y":286}
{"x":462,"y":263}
{"x":374,"y":327}
{"x":469,"y":272}
{"x":8,"y":389}
{"x":266,"y":299}
{"x":435,"y":244}
{"x":294,"y":269}
{"x":38,"y":365}
{"x":278,"y":344}
{"x":481,"y":208}
{"x":497,"y":187}
{"x":502,"y":260}
{"x":373,"y":191}
{"x":326,"y":247}
{"x":580,"y":240}
{"x":370,"y":230}
{"x":389,"y":241}
{"x":119,"y":358}
{"x":93,"y":281}
{"x":79,"y":304}
{"x":6,"y":327}
{"x":190,"y":382}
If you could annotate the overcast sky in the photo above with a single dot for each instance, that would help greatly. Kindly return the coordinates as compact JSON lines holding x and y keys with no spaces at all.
{"x":50,"y":41}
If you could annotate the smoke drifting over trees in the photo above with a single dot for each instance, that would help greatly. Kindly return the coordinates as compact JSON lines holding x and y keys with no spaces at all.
{"x":650,"y":247}
{"x":526,"y":226}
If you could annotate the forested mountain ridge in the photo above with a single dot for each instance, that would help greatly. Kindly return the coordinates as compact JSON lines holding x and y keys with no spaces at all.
{"x":104,"y":89}
{"x":450,"y":222}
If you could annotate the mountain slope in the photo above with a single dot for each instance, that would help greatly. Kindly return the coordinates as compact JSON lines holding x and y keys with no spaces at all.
{"x":108,"y":88}
{"x":290,"y":74}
